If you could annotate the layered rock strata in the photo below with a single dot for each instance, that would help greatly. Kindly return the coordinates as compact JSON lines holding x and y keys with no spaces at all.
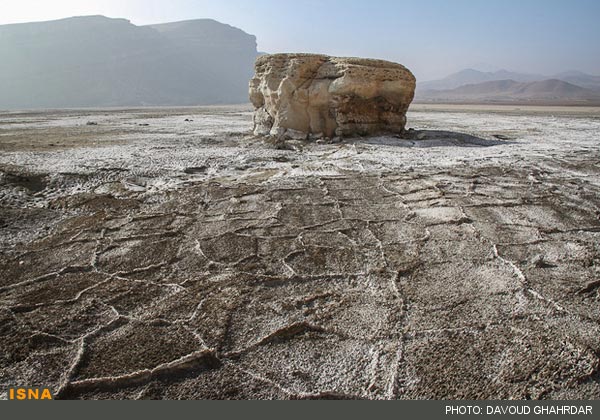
{"x":308,"y":96}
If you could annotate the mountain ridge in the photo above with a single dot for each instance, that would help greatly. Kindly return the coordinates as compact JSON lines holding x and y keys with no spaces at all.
{"x":96,"y":61}
{"x":472,"y":76}
{"x":548,"y":91}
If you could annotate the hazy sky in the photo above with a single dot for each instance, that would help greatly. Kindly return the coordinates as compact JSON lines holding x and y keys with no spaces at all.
{"x":432,"y":37}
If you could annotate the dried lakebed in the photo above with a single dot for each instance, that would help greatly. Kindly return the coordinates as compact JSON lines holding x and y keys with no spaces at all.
{"x":146,"y":256}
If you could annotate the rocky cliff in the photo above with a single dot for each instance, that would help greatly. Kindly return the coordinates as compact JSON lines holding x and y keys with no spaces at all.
{"x":94,"y":61}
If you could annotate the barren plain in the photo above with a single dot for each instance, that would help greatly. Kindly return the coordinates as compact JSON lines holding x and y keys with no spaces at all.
{"x":168,"y":253}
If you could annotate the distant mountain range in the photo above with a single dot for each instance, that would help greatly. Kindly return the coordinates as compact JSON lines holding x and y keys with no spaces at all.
{"x":551,"y":91}
{"x":473,"y":86}
{"x":94,"y":61}
{"x":471,"y":77}
{"x":580,"y":79}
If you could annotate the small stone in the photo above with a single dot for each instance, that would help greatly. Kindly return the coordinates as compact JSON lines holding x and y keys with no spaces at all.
{"x":295,"y":135}
{"x":195,"y":170}
{"x":315,"y":136}
{"x":539,"y":262}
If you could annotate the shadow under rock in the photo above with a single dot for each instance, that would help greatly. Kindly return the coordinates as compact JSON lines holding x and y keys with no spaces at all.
{"x":434,"y":138}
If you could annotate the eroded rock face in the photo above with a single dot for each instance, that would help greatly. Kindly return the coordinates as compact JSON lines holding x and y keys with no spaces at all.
{"x":312,"y":96}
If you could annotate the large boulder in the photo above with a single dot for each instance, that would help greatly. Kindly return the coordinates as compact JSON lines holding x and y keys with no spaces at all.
{"x":316,"y":96}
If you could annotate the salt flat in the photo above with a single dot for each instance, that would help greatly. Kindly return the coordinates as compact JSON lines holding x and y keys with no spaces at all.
{"x":146,"y":256}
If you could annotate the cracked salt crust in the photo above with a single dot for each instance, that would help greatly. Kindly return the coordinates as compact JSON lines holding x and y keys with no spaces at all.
{"x":447,"y":267}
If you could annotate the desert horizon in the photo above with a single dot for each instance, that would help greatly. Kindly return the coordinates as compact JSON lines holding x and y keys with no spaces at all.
{"x":214,"y":83}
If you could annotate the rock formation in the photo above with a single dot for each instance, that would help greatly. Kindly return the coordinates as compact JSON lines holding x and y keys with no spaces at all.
{"x":313,"y":96}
